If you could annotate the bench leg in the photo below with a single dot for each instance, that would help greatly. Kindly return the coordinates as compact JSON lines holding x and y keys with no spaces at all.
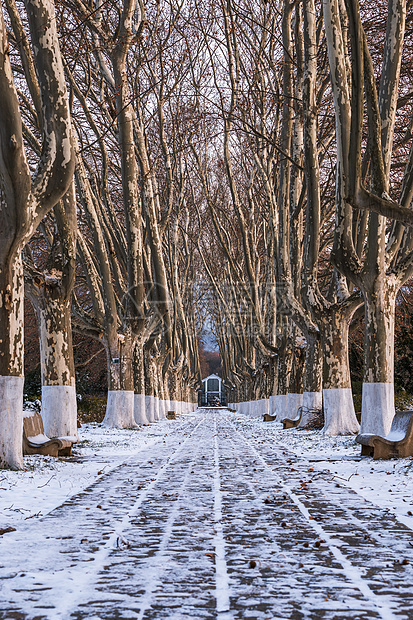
{"x":66,"y":451}
{"x":367,"y":451}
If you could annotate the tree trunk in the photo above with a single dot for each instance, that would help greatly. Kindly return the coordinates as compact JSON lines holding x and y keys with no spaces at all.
{"x":139,"y":383}
{"x":313,"y":379}
{"x":295,"y":390}
{"x":378,"y":387}
{"x":11,"y":365}
{"x":339,"y":414}
{"x":25,"y":199}
{"x":285,"y":360}
{"x":272,"y":380}
{"x":155,"y":387}
{"x":174,"y":392}
{"x":149,"y":386}
{"x":120,"y":404}
{"x":59,"y":408}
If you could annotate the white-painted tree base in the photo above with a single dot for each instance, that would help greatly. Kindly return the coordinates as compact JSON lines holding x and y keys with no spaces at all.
{"x":139,"y":409}
{"x":11,"y":422}
{"x":255,"y":408}
{"x":272,"y":405}
{"x":156,"y":408}
{"x":59,"y":410}
{"x":282,"y":407}
{"x":312,"y":401}
{"x":120,"y":409}
{"x":258,"y":408}
{"x":149,"y":408}
{"x":162,"y":404}
{"x":377,"y":408}
{"x":339,"y":415}
{"x":294,"y":402}
{"x":175,"y":405}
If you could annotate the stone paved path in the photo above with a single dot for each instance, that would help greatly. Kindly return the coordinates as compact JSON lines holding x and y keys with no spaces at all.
{"x":212,"y":523}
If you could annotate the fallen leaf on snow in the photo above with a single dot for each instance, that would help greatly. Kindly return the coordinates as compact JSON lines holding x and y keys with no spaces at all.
{"x":5,"y":530}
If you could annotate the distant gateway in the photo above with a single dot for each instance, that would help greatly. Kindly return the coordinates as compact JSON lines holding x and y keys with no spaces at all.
{"x":213,"y":392}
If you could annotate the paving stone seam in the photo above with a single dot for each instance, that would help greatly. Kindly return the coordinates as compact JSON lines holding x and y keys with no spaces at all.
{"x":343,"y":482}
{"x":366,"y":527}
{"x":222,"y":591}
{"x":67,"y":606}
{"x":350,"y":570}
{"x":157,"y":570}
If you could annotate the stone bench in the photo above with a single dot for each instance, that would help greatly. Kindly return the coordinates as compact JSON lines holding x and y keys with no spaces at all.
{"x":397,"y":444}
{"x":36,"y":442}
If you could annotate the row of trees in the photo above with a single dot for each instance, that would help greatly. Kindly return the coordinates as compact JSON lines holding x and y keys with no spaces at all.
{"x":164,"y":160}
{"x":315,"y":106}
{"x":95,"y":216}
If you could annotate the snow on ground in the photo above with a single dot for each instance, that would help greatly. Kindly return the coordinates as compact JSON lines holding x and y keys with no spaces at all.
{"x":388,"y":484}
{"x":48,"y":482}
{"x":218,"y":516}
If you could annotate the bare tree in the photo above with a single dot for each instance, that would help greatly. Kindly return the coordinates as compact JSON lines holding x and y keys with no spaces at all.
{"x":26,"y":200}
{"x":386,"y":262}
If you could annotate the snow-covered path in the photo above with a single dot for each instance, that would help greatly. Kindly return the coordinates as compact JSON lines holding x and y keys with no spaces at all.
{"x":214,"y":521}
